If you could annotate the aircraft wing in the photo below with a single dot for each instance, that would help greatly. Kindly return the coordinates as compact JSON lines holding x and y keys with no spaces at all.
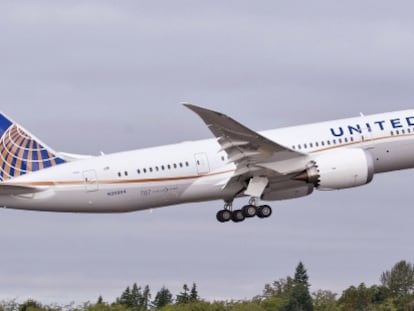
{"x":253,"y":154}
{"x":243,"y":145}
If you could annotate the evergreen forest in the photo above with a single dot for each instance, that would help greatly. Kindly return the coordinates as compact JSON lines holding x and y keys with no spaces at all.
{"x":395,"y":292}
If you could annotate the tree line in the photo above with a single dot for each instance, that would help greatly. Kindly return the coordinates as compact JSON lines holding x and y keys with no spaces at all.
{"x":394,"y":293}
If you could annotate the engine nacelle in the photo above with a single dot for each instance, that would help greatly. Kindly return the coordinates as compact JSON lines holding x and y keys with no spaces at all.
{"x":340,"y":169}
{"x":287,"y":194}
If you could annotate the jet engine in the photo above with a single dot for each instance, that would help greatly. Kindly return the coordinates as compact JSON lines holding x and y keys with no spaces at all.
{"x":339,"y":169}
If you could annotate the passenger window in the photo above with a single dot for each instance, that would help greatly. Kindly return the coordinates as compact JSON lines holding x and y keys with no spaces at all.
{"x":138,"y":171}
{"x":145,"y":170}
{"x":305,"y":146}
{"x":126,"y":173}
{"x":169,"y":166}
{"x":340,"y":140}
{"x":317,"y":144}
{"x":187,"y":164}
{"x":175,"y":165}
{"x":334,"y":141}
{"x":322,"y":143}
{"x":119,"y":174}
{"x":157,"y":169}
{"x":162,"y":167}
{"x":346,"y":139}
{"x":328,"y":142}
{"x":310,"y":145}
{"x":181,"y":164}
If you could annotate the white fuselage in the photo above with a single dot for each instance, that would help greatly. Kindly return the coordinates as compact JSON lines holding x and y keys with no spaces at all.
{"x":197,"y":171}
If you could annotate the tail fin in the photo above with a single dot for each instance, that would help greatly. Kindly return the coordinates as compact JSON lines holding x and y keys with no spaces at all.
{"x":22,"y":153}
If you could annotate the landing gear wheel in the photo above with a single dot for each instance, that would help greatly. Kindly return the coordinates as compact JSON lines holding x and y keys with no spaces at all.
{"x":249,"y":211}
{"x":224,"y":216}
{"x":264,"y":211}
{"x":237,"y":216}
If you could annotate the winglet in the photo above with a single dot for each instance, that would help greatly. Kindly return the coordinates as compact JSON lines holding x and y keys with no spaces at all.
{"x":207,"y":115}
{"x":221,"y":124}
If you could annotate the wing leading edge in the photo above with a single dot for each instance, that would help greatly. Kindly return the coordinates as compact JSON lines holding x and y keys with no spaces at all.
{"x":241,"y":143}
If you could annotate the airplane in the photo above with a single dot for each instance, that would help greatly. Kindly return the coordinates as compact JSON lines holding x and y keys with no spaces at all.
{"x":273,"y":165}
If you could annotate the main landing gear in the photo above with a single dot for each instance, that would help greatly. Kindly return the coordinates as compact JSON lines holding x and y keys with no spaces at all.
{"x":248,"y":211}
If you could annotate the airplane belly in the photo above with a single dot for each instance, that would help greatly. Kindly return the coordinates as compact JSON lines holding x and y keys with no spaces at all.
{"x":393,"y":156}
{"x":114,"y":198}
{"x":76,"y":200}
{"x":203,"y":190}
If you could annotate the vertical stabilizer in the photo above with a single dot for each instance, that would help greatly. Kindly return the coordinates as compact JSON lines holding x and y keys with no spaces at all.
{"x":22,"y":153}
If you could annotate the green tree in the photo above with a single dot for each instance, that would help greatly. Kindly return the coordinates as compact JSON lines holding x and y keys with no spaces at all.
{"x":162,"y":298}
{"x":204,"y":306}
{"x":357,"y":298}
{"x":144,"y":302}
{"x":245,"y":306}
{"x":300,"y":298}
{"x":301,"y":275}
{"x":184,"y":296}
{"x":103,"y":307}
{"x":324,"y":300}
{"x":280,"y":288}
{"x":126,"y":298}
{"x":274,"y":303}
{"x":388,"y":305}
{"x":400,"y":280}
{"x":9,"y":305}
{"x":135,"y":297}
{"x":31,"y":305}
{"x":100,"y":300}
{"x":194,"y":293}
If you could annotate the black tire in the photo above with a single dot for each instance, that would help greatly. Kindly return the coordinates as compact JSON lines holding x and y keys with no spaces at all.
{"x":264,"y":211}
{"x":237,"y":216}
{"x":226,"y":215}
{"x":249,"y":211}
{"x":223,"y":216}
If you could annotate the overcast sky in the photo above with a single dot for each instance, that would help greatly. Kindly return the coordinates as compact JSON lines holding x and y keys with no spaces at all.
{"x":91,"y":76}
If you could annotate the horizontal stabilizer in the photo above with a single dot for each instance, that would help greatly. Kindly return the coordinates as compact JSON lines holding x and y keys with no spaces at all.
{"x":9,"y":189}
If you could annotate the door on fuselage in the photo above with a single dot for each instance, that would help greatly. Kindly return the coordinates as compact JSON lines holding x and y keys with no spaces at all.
{"x":90,"y":180}
{"x":203,"y":167}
